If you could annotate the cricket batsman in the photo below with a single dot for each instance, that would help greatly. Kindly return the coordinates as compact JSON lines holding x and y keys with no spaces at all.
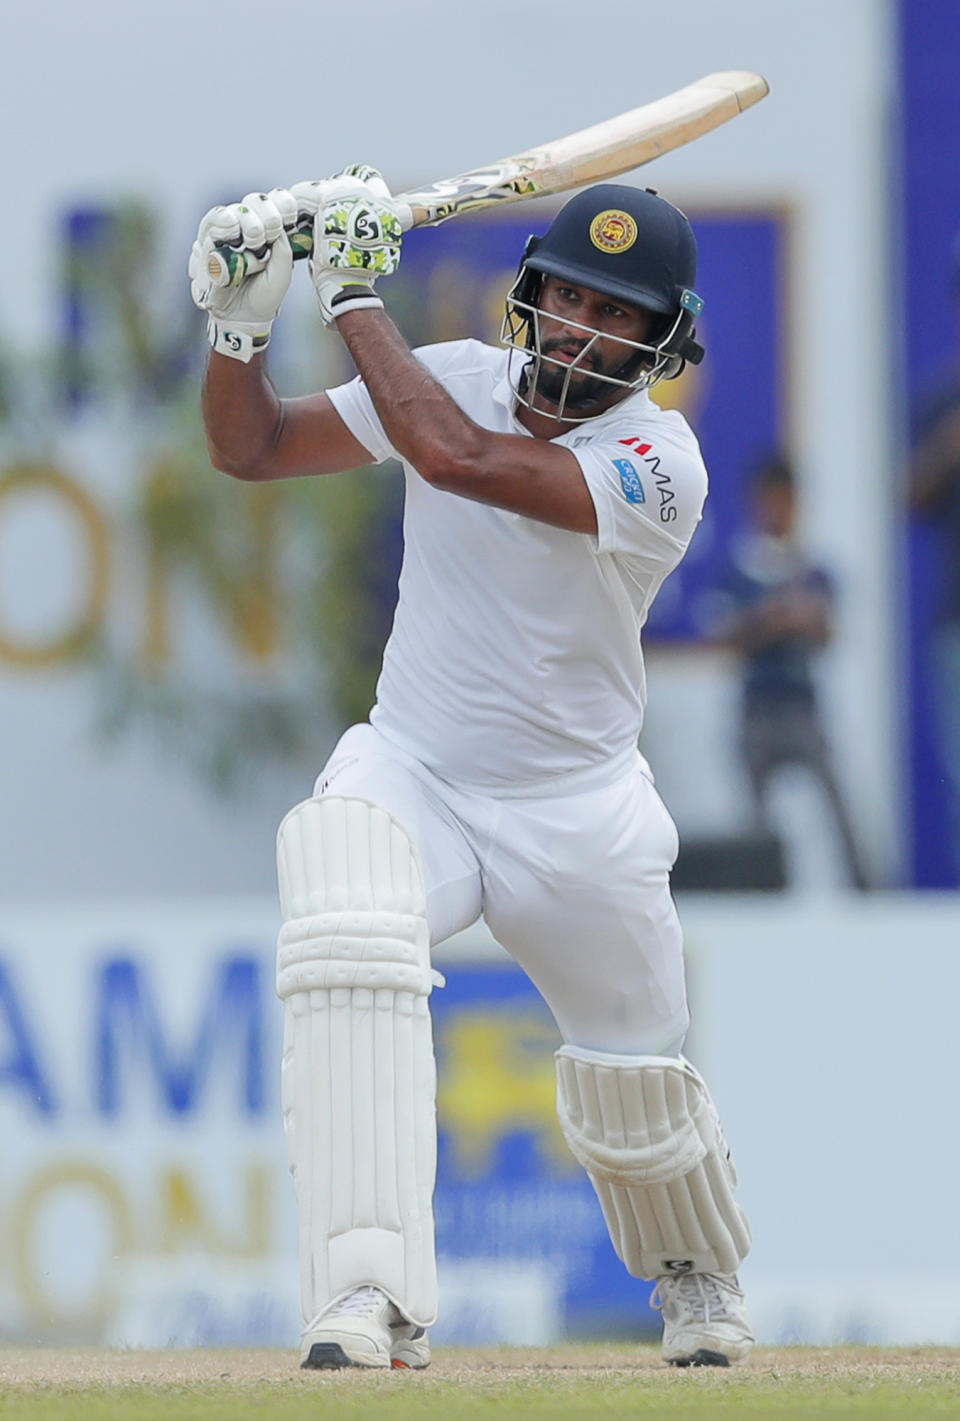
{"x":547,"y":499}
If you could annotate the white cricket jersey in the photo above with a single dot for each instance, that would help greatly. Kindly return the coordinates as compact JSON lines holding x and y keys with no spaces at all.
{"x":514,"y":663}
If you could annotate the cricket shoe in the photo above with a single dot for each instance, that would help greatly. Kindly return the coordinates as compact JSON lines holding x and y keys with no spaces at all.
{"x":705,"y":1322}
{"x":363,"y":1329}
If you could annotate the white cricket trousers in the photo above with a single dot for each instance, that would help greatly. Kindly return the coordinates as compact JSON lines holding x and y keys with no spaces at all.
{"x":574,"y":885}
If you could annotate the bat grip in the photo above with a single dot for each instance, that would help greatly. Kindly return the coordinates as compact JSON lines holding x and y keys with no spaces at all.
{"x":228,"y":266}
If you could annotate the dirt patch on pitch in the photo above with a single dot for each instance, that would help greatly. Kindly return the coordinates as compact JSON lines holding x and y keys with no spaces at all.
{"x":89,"y":1368}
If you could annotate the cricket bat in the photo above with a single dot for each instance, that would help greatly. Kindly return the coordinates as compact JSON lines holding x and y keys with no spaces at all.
{"x":592,"y":155}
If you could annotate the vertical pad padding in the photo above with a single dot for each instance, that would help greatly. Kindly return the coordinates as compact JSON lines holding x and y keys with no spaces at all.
{"x":359,"y":1076}
{"x":646,"y":1131}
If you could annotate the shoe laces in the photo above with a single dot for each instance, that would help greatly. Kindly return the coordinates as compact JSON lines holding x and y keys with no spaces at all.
{"x":361,"y":1300}
{"x":708,"y":1295}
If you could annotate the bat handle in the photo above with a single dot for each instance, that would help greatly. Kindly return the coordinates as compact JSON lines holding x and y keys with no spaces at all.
{"x":229,"y":265}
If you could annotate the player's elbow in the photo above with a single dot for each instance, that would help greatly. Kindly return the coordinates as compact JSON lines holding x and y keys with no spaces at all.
{"x":242,"y":467}
{"x":451,"y":469}
{"x":440,"y":473}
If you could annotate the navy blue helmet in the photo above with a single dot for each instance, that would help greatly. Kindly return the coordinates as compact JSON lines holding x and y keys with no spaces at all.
{"x":633,"y":246}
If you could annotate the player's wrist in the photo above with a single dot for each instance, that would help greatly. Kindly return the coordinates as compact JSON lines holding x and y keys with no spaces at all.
{"x":355,"y":296}
{"x":339,"y":292}
{"x":240,"y":340}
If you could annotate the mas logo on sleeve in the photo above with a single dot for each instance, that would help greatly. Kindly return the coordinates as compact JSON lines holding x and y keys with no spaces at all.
{"x":630,"y":481}
{"x":668,"y":509}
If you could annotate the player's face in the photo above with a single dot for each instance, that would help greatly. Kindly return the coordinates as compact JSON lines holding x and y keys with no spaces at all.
{"x":564,"y":309}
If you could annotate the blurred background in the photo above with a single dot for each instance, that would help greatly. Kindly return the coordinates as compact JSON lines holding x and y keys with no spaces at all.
{"x":178,"y":654}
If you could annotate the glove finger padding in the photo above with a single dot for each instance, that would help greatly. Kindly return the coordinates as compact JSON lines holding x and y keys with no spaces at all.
{"x":241,"y":316}
{"x":260,"y":220}
{"x":286,"y":204}
{"x":309,"y":197}
{"x":372,"y":178}
{"x":220,"y":224}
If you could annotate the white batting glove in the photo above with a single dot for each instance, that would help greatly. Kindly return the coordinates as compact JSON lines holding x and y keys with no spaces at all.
{"x":356,"y":238}
{"x":311,"y":196}
{"x":240,"y":317}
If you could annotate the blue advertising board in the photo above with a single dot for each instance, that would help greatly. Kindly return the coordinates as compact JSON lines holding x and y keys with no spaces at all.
{"x":928,"y":231}
{"x":508,"y":1189}
{"x":145,"y":1182}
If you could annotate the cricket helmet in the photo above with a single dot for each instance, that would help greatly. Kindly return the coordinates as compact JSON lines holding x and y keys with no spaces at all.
{"x":633,"y":246}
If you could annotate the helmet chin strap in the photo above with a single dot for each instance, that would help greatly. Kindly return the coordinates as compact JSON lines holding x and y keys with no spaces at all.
{"x":631,"y":367}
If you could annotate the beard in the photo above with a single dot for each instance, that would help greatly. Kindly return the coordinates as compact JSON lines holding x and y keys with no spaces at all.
{"x":583,"y":389}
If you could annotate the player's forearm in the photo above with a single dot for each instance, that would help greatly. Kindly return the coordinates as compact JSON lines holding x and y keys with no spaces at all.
{"x":420,"y":419}
{"x":451,"y":452}
{"x":243,"y":417}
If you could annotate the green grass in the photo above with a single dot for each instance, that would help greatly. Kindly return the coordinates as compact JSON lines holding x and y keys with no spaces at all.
{"x":570,"y":1382}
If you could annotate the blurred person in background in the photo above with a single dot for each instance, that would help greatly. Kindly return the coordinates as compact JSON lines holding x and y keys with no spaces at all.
{"x":773,"y":606}
{"x":935,"y":497}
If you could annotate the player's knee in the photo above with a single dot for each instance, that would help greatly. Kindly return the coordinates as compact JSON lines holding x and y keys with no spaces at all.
{"x":352,"y":898}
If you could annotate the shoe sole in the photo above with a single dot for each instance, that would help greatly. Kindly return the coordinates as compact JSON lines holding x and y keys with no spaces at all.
{"x":703,"y":1357}
{"x":410,"y":1353}
{"x":330,"y":1357}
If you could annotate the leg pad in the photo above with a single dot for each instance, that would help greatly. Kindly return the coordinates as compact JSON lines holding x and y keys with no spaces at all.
{"x":646,"y":1131}
{"x":359,"y":1077}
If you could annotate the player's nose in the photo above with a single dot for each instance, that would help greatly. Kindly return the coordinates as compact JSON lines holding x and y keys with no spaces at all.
{"x":563,"y":333}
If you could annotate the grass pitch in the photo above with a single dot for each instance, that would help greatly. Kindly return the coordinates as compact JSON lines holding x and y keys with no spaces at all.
{"x":603,"y":1381}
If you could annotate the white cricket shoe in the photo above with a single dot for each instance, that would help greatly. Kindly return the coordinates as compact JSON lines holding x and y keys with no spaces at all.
{"x":363,"y":1329}
{"x":705,"y":1322}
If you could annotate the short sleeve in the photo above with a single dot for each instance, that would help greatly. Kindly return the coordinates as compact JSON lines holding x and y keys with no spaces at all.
{"x":444,"y":360}
{"x":648,"y":495}
{"x":353,"y":404}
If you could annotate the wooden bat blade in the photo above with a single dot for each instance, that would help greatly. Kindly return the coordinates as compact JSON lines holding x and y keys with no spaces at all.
{"x":594,"y":154}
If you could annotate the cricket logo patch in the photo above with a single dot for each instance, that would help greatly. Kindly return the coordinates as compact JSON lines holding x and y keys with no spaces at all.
{"x":630,"y":481}
{"x":613,"y":231}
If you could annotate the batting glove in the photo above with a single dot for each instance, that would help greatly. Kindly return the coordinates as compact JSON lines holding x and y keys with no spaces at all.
{"x":356,"y":238}
{"x":240,"y":317}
